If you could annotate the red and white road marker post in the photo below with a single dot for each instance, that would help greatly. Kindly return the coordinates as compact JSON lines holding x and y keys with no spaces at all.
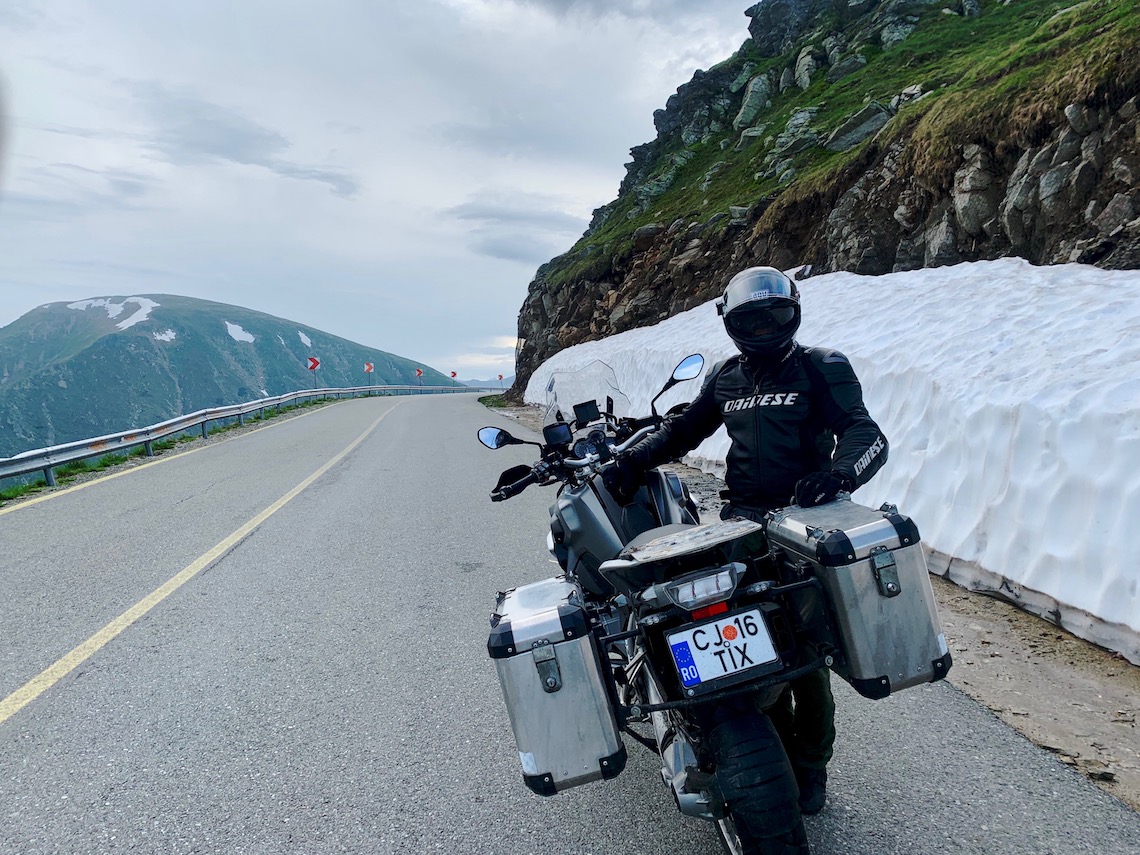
{"x":314,"y":364}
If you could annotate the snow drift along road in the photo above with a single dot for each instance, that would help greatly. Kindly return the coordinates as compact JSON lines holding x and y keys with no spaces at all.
{"x":1011,"y":398}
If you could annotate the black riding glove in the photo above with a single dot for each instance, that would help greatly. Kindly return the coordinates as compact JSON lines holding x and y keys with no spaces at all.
{"x":819,"y":488}
{"x":622,"y":479}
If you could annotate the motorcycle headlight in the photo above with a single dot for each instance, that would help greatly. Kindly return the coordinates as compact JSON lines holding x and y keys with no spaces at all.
{"x":702,"y":589}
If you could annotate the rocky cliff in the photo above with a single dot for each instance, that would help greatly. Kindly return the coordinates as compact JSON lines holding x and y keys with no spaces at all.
{"x":870,"y":136}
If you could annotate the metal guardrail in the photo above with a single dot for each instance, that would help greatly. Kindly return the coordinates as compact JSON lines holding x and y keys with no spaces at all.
{"x":46,"y":459}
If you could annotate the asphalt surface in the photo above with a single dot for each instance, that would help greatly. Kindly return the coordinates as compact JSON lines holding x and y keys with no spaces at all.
{"x":324,"y":686}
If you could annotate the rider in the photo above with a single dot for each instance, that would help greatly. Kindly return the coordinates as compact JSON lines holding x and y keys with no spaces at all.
{"x":783,"y":405}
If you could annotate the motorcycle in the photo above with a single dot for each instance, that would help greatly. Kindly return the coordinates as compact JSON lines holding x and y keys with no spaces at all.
{"x":658,"y":620}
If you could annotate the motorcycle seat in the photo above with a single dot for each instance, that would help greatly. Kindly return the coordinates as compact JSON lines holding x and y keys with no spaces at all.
{"x":654,"y":533}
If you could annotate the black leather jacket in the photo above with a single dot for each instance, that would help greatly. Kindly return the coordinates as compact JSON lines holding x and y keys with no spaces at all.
{"x":782,"y":424}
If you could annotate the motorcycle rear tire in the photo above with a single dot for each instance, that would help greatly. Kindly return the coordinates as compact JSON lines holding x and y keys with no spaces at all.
{"x":793,"y":842}
{"x":759,"y":786}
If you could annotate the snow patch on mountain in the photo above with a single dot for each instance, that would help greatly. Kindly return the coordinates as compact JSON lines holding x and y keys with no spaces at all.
{"x":165,"y":335}
{"x":145,"y":307}
{"x":113,"y":309}
{"x":305,"y":340}
{"x":283,"y":344}
{"x":237,"y":333}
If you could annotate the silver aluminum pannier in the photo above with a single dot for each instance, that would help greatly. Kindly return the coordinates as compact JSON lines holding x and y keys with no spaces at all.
{"x":874,"y":571}
{"x":556,"y":693}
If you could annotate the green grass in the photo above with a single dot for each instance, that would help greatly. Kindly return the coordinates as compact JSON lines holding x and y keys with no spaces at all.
{"x":1001,"y":79}
{"x":494,"y":402}
{"x":68,"y":471}
{"x":19,"y":490}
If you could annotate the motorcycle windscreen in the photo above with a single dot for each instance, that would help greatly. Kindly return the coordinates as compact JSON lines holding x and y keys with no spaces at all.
{"x":596,"y":382}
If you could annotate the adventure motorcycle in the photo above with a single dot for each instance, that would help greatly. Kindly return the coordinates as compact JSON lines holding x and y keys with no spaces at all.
{"x":689,"y":628}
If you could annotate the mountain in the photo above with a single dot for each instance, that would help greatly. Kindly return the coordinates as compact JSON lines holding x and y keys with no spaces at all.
{"x":494,"y":382}
{"x":75,"y":370}
{"x":868,"y":136}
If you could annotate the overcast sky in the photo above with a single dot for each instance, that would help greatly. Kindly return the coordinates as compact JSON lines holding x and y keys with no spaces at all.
{"x":390,"y":171}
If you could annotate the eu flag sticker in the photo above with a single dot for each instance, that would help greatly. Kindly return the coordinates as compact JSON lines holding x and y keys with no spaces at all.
{"x":686,"y":667}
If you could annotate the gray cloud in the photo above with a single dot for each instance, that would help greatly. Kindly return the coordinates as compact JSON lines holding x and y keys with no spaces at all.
{"x":545,"y":103}
{"x":127,"y":188}
{"x":526,"y":249}
{"x":192,"y":132}
{"x":17,"y":15}
{"x":342,"y":184}
{"x":82,"y":133}
{"x":118,"y":268}
{"x":82,"y":185}
{"x":499,"y":213}
{"x":536,"y":129}
{"x":28,"y":208}
{"x":521,"y":227}
{"x":656,"y":9}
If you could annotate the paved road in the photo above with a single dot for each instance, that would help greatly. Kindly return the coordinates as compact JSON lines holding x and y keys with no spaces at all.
{"x":323,"y":686}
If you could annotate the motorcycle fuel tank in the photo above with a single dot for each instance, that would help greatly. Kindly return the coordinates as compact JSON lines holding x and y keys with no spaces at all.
{"x":874,"y":572}
{"x":554,"y":687}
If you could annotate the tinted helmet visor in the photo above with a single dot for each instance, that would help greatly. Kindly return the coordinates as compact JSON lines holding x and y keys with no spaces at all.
{"x":759,"y":321}
{"x":761,"y":310}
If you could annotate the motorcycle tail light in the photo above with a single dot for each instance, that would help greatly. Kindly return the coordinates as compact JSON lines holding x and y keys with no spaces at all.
{"x":704,"y":589}
{"x":710,"y":611}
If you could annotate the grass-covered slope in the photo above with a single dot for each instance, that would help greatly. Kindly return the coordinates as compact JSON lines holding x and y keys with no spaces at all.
{"x":1003,"y":77}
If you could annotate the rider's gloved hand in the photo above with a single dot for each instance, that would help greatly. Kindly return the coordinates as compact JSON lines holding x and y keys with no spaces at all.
{"x":819,"y":488}
{"x":622,"y":479}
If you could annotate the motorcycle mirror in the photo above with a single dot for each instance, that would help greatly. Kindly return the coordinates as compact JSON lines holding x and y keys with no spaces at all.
{"x":494,"y":437}
{"x":687,"y":369}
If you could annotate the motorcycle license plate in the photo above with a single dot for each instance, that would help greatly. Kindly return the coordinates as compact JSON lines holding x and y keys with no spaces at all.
{"x":720,"y":648}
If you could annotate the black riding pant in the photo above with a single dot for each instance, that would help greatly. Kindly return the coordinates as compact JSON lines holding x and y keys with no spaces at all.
{"x":805,"y":713}
{"x":805,"y":719}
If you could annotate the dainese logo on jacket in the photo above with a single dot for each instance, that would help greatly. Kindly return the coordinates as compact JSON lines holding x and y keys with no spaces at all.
{"x":772,"y":399}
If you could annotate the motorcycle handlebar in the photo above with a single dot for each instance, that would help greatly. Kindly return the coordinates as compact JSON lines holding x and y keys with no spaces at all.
{"x":636,"y":438}
{"x":591,"y":459}
{"x":504,"y":493}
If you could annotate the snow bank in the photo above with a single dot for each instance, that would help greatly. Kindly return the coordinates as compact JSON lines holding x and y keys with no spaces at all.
{"x":305,"y":340}
{"x":1011,"y":398}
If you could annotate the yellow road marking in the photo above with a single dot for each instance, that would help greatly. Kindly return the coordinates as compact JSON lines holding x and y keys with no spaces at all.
{"x":68,"y":663}
{"x":55,"y":494}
